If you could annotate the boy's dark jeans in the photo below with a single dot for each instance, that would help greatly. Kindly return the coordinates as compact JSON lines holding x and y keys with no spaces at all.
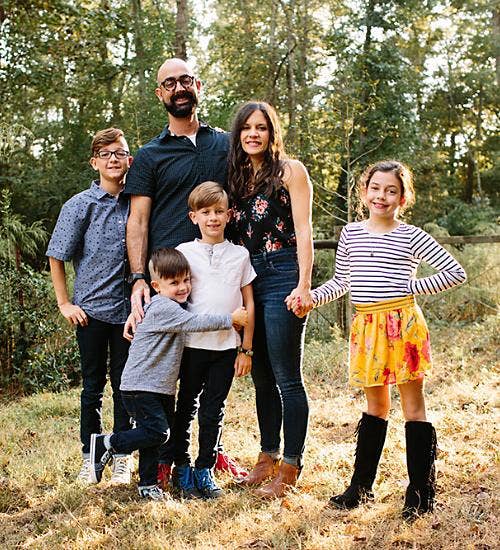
{"x":209,"y":373}
{"x":153,"y":414}
{"x":94,"y":340}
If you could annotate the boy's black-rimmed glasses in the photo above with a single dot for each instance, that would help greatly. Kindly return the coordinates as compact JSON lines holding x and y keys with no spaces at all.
{"x":119,"y":154}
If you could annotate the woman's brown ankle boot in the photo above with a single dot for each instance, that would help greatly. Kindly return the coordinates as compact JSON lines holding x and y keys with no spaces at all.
{"x":265,"y":468}
{"x":286,"y":478}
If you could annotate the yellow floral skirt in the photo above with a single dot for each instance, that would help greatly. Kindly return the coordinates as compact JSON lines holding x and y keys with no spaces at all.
{"x":389,"y":343}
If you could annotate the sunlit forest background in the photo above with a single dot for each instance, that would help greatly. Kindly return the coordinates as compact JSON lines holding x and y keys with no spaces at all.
{"x":353,"y":82}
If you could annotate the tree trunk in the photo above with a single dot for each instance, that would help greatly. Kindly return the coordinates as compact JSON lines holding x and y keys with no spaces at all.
{"x":303,"y":82}
{"x":139,"y":51}
{"x":496,"y":42}
{"x":469,"y":181}
{"x":451,"y":153}
{"x":479,"y":123}
{"x":288,"y":10}
{"x":273,"y":60}
{"x":365,"y":95}
{"x":181,"y":29}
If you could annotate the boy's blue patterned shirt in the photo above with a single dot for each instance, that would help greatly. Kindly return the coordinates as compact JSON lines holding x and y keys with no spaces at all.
{"x":90,"y":231}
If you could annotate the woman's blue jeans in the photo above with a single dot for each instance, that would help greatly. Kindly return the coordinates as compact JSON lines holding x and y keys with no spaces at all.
{"x":278,"y":345}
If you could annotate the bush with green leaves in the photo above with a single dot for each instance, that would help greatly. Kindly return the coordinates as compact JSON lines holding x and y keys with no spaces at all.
{"x":469,"y":219}
{"x":36,"y":352}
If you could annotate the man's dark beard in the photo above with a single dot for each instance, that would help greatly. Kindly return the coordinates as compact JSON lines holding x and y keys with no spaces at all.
{"x":184,"y":110}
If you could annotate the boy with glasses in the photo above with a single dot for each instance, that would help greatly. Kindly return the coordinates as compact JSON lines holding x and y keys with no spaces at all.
{"x":90,"y":231}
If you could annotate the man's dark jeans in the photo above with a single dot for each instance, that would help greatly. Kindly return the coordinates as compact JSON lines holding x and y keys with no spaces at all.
{"x":94,"y":341}
{"x":278,"y":345}
{"x":153,"y":414}
{"x":207,"y":374}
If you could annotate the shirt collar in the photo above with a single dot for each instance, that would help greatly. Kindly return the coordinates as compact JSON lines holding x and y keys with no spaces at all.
{"x":217,"y":246}
{"x":98,"y":192}
{"x":166,"y":133}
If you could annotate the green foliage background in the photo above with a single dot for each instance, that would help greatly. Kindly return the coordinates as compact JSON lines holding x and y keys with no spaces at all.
{"x":353,"y":82}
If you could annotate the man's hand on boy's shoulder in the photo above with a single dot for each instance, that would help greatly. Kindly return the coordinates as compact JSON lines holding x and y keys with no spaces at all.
{"x":74,"y":314}
{"x":140,"y":294}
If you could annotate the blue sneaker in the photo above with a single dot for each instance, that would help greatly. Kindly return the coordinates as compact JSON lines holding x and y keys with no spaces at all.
{"x":183,"y":483}
{"x":205,"y":483}
{"x":99,"y":457}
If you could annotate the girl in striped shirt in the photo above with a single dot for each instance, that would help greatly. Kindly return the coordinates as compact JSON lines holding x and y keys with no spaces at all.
{"x":377,"y":260}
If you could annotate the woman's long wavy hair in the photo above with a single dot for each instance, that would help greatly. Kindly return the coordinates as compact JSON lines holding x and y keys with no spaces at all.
{"x":269,"y":177}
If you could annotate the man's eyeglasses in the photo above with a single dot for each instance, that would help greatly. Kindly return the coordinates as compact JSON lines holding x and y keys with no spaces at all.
{"x":170,"y":83}
{"x":119,"y":154}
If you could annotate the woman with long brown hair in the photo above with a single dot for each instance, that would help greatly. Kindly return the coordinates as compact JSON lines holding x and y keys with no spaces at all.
{"x":271,"y":198}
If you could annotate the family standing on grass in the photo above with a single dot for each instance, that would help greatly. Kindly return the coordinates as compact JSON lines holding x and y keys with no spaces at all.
{"x":219,"y":226}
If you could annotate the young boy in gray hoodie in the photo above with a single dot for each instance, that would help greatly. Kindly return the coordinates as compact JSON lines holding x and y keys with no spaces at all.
{"x":149,"y":378}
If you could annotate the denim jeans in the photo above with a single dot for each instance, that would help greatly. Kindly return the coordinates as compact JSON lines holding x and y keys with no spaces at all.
{"x":153,"y":414}
{"x":278,"y":345}
{"x":207,"y":375}
{"x":94,"y":341}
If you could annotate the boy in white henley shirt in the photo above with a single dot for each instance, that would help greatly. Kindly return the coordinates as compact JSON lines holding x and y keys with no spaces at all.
{"x":221,"y":275}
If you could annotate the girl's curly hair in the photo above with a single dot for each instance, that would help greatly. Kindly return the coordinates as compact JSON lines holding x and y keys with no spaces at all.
{"x":402,"y":173}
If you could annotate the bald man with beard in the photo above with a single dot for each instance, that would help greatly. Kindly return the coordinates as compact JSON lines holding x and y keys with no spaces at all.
{"x":163,"y":174}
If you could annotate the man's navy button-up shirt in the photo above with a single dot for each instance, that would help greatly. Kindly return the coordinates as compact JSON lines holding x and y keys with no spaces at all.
{"x":167,"y":169}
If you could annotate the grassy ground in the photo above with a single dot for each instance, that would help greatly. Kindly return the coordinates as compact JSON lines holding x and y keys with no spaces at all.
{"x":42,"y":507}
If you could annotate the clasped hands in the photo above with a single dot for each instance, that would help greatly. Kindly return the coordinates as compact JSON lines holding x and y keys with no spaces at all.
{"x":300,"y":302}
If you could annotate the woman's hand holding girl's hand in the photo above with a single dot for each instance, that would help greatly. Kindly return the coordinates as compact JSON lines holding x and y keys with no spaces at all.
{"x":299,"y":301}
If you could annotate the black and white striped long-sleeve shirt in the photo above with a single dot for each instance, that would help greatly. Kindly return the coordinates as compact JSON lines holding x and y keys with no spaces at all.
{"x":381,"y":266}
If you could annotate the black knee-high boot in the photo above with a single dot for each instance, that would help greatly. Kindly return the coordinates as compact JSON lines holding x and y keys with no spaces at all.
{"x":420,"y":456}
{"x":371,"y":437}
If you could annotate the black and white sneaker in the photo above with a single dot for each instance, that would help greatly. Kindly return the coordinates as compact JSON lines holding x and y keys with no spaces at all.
{"x":99,"y":457}
{"x":151,"y":492}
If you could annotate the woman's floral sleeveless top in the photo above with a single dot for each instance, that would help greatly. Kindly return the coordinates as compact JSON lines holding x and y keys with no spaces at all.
{"x":263,"y":224}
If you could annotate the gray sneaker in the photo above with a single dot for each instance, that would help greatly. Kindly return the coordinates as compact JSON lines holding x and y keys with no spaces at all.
{"x":205,"y":483}
{"x":151,"y":492}
{"x":84,"y":475}
{"x":121,"y":469}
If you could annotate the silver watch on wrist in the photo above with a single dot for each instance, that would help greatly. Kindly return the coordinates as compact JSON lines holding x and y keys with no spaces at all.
{"x":248,"y":352}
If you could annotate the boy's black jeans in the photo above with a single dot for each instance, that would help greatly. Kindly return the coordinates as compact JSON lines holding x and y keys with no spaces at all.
{"x":94,"y":341}
{"x":153,"y":414}
{"x":209,"y":373}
